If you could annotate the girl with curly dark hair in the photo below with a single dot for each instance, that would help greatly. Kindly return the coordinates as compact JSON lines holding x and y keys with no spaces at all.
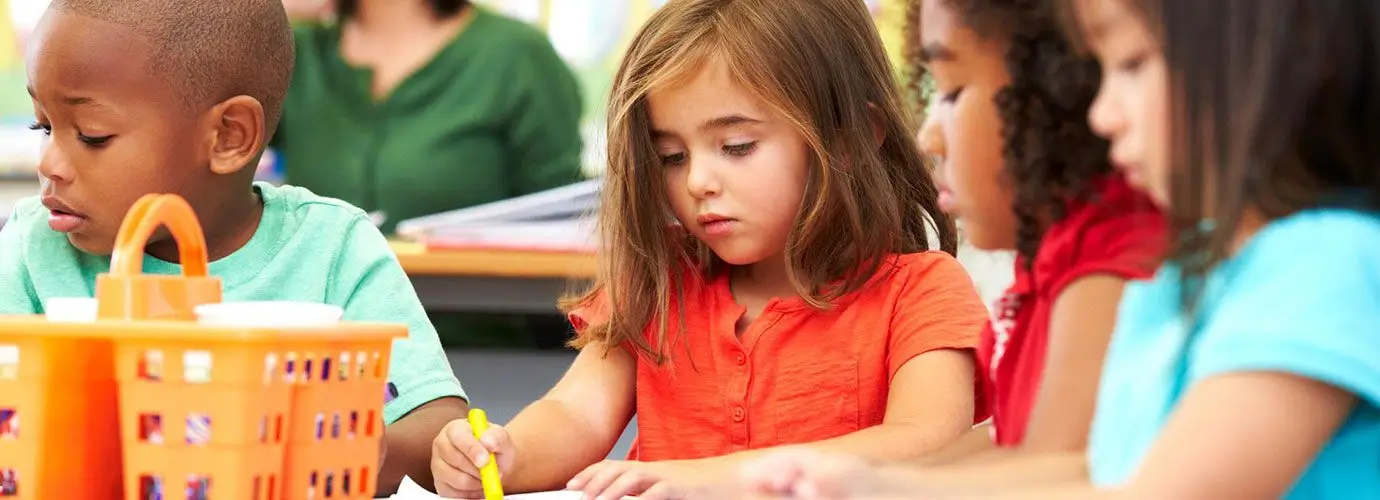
{"x":1020,"y":167}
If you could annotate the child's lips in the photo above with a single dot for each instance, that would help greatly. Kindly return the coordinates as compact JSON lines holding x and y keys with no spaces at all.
{"x":63,"y":222}
{"x":715,"y":224}
{"x":62,"y":218}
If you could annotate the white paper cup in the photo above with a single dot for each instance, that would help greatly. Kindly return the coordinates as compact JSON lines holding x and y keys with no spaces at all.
{"x":70,"y":309}
{"x":269,"y":314}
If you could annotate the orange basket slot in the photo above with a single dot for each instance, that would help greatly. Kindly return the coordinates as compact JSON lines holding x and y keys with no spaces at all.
{"x":337,"y":423}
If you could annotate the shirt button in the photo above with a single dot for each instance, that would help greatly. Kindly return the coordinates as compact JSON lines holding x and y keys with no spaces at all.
{"x":740,"y":359}
{"x":738,"y":414}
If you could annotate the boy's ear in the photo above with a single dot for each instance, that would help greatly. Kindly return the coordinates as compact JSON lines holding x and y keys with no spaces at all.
{"x":878,"y":129}
{"x":238,"y":134}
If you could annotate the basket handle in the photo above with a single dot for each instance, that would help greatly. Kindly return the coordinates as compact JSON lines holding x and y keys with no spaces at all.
{"x":146,"y":216}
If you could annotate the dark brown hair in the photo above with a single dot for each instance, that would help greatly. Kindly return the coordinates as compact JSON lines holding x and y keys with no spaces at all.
{"x":442,"y":8}
{"x":822,"y":66}
{"x":1051,"y":156}
{"x":1275,"y":108}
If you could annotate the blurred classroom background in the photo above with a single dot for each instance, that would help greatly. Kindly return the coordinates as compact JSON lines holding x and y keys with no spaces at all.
{"x":484,"y":275}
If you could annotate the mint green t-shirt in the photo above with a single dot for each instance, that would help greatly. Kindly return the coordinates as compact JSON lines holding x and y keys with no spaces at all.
{"x":307,"y":248}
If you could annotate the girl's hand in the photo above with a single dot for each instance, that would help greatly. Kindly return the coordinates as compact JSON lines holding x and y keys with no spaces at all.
{"x":456,"y":457}
{"x":615,"y":479}
{"x":808,"y":475}
{"x":309,"y":10}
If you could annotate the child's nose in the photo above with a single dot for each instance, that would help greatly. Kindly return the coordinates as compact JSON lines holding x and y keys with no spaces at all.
{"x":931,"y":138}
{"x":1103,"y":116}
{"x":702,"y":179}
{"x":53,"y":165}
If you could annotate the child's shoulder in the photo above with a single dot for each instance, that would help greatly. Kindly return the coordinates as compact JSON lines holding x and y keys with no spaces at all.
{"x":922,"y":273}
{"x":296,"y":217}
{"x":920,"y":263}
{"x":301,"y":206}
{"x":1318,"y":237}
{"x":1363,"y":225}
{"x":1117,"y":231}
{"x":29,"y":221}
{"x":26,"y":211}
{"x":38,"y":261}
{"x":1114,"y":210}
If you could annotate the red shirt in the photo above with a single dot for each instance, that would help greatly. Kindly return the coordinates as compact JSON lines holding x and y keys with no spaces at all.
{"x":796,"y":374}
{"x":1118,"y":232}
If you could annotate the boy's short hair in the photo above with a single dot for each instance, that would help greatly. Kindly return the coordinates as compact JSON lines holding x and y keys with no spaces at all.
{"x":209,"y":50}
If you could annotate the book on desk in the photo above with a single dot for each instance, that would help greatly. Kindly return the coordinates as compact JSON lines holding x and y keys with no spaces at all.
{"x":556,"y":220}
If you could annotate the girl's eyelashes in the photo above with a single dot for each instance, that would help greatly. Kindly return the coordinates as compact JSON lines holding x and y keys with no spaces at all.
{"x":673,"y":159}
{"x":1132,"y":64}
{"x":739,"y":150}
{"x":731,"y":150}
{"x":951,"y":96}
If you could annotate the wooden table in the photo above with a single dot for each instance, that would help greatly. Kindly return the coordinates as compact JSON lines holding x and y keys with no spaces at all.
{"x":509,"y":281}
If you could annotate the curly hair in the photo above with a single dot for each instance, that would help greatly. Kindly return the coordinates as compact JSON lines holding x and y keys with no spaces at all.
{"x":1051,"y":155}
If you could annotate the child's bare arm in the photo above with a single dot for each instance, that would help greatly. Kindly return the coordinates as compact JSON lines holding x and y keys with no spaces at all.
{"x":408,"y":442}
{"x":972,"y":444}
{"x":578,"y":422}
{"x":1242,"y":435}
{"x":1080,"y":329}
{"x":572,"y":426}
{"x":930,"y":404}
{"x":1238,"y":435}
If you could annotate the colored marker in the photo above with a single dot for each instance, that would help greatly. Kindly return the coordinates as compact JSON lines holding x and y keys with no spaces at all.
{"x":488,"y":474}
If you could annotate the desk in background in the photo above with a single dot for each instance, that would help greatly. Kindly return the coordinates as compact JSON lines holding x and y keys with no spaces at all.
{"x":505,"y":281}
{"x":521,"y":282}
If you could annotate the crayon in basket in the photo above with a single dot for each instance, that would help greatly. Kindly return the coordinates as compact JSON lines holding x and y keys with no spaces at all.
{"x":390,"y":392}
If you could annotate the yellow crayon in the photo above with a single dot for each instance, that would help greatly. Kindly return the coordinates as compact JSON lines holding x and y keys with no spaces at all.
{"x":488,"y":474}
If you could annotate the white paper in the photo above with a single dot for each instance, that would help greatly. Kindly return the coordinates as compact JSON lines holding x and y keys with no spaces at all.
{"x":566,"y":202}
{"x":564,"y":235}
{"x":409,"y":490}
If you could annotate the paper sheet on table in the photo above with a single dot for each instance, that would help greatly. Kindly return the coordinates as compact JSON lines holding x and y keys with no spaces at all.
{"x":409,"y":490}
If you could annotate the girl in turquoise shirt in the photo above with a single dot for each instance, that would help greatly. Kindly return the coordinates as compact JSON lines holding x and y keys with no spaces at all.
{"x":1249,"y":367}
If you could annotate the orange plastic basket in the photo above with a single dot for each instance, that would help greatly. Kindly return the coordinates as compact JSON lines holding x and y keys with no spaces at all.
{"x":210,"y":415}
{"x":336,"y":423}
{"x":146,"y":404}
{"x":58,"y":433}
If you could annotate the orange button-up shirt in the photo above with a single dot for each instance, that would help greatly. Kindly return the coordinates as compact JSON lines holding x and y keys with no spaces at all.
{"x":796,"y":374}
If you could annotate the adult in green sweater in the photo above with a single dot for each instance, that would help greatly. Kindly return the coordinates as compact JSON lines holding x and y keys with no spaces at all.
{"x":408,"y":108}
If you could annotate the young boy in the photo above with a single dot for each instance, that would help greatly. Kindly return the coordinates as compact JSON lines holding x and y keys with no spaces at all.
{"x":152,"y":96}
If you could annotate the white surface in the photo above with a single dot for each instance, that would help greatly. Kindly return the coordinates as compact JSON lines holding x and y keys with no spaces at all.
{"x":70,"y":309}
{"x":409,"y":490}
{"x":268,"y":314}
{"x":565,"y":202}
{"x":556,"y":235}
